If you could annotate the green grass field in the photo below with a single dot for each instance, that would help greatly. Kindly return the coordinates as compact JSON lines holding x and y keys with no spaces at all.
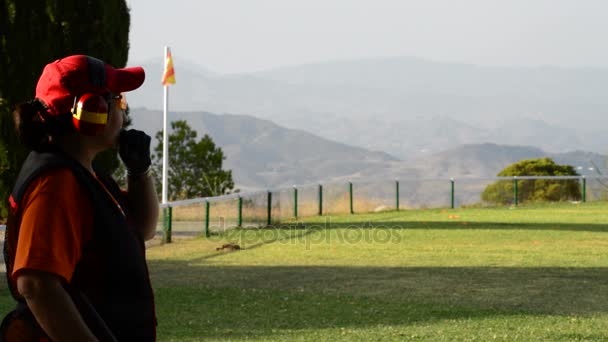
{"x":529,"y":274}
{"x":533,"y":273}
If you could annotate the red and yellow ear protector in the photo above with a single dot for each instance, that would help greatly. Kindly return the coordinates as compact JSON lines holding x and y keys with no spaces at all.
{"x":90,"y":111}
{"x":90,"y":114}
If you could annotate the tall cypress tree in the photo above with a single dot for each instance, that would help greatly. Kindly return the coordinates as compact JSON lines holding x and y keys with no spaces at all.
{"x":36,"y":32}
{"x":4,"y":108}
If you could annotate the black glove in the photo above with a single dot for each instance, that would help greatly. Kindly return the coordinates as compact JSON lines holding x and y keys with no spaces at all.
{"x":134,"y":150}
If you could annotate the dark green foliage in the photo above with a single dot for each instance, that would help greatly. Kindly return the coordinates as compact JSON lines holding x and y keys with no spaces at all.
{"x":502,"y":192}
{"x":36,"y":32}
{"x":195,"y":167}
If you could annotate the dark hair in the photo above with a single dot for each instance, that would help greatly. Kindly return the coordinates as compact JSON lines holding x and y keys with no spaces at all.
{"x":34,"y":131}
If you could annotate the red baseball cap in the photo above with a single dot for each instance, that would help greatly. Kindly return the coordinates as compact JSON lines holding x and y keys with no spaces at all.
{"x":68,"y":78}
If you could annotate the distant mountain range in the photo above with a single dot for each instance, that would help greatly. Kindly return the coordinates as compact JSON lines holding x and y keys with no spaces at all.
{"x":265,"y":155}
{"x":407,"y":107}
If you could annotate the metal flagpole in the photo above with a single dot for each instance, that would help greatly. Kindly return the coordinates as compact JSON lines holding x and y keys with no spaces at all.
{"x":165,"y":136}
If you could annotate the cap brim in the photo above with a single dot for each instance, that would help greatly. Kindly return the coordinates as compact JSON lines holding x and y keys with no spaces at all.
{"x":126,"y":79}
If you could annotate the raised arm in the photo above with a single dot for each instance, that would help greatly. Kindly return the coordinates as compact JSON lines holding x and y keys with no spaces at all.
{"x":134,"y":150}
{"x":143,"y":203}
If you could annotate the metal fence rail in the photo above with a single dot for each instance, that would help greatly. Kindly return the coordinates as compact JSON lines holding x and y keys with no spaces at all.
{"x":264,"y":208}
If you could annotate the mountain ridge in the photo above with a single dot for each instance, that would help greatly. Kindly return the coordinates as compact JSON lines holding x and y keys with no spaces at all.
{"x":398,"y":105}
{"x":265,"y":155}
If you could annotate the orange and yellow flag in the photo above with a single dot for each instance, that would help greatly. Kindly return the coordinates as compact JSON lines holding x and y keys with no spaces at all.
{"x":169,"y":74}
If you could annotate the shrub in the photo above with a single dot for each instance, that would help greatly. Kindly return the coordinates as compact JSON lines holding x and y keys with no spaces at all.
{"x":535,"y":190}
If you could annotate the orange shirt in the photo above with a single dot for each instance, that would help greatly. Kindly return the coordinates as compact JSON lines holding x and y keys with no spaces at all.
{"x":56,"y":222}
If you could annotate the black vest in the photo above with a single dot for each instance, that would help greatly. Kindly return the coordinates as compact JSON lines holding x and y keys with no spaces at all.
{"x":112,"y":276}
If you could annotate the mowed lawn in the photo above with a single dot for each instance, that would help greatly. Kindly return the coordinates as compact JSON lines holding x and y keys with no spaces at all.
{"x":531,"y":273}
{"x":509,"y":274}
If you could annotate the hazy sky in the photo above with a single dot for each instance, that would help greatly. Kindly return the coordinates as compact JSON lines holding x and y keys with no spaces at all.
{"x":247,"y":35}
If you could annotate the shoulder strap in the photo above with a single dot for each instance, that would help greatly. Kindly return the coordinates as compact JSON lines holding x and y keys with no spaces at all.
{"x":113,"y":188}
{"x":36,"y":164}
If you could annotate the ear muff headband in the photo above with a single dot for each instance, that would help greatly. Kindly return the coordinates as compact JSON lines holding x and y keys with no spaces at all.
{"x":97,"y":72}
{"x":90,"y":111}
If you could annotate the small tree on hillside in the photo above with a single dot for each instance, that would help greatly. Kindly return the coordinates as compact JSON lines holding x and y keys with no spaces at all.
{"x":195,"y":167}
{"x":501,"y":192}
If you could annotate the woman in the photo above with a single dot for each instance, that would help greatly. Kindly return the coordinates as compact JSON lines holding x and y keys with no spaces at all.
{"x":74,"y":246}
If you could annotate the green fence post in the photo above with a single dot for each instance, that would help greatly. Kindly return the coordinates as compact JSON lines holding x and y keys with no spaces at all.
{"x":295,"y":202}
{"x":240,"y":212}
{"x":396,"y":194}
{"x":452,"y":193}
{"x":167,"y":223}
{"x":206,"y":219}
{"x":350,"y":191}
{"x":268,"y":222}
{"x":584,"y":189}
{"x":515,"y":195}
{"x":320,"y":200}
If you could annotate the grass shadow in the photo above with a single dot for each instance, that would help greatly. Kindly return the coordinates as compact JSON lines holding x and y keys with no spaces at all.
{"x":311,"y":297}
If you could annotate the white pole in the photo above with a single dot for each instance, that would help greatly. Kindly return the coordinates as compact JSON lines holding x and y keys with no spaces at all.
{"x":165,"y":137}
